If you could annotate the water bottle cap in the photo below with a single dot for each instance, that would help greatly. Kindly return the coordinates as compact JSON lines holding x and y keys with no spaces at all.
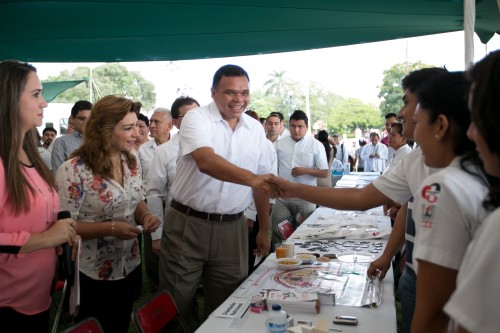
{"x":276,"y":307}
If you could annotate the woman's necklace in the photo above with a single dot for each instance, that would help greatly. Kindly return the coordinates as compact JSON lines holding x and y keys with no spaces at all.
{"x":119,"y":172}
{"x":44,"y":196}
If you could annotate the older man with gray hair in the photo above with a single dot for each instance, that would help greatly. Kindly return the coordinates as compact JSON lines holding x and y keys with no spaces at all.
{"x":160,"y":126}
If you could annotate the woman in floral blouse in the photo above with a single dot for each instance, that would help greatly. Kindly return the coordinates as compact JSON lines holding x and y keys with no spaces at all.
{"x":101,"y":185}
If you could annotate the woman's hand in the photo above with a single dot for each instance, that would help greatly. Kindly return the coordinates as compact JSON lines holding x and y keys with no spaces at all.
{"x":150,"y":223}
{"x":124,"y":231}
{"x":62,"y":231}
{"x":74,"y":248}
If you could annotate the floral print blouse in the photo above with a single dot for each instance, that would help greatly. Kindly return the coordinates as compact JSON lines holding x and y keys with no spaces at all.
{"x":94,"y":199}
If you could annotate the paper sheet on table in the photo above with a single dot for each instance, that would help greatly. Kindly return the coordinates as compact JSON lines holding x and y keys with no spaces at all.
{"x":232,"y":308}
{"x":349,"y":225}
{"x":347,"y":281}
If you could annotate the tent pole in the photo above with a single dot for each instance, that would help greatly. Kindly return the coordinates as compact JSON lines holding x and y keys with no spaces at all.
{"x":469,"y":25}
{"x":91,"y":82}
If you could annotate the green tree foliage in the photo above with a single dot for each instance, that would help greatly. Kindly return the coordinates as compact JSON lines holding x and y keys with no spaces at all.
{"x":351,"y":113}
{"x":110,"y":79}
{"x":341,"y":115}
{"x":321,"y":103}
{"x":263,"y":104}
{"x":390,"y":90}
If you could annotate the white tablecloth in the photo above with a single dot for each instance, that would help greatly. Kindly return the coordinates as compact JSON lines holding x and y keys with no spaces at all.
{"x":378,"y":320}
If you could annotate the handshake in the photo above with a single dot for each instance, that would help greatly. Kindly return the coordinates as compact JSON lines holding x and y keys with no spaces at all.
{"x":273,"y":186}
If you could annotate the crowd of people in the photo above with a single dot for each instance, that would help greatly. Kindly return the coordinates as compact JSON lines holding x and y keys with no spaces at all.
{"x":206,"y":202}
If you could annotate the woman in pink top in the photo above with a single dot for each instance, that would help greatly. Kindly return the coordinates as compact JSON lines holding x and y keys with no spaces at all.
{"x":29,"y":204}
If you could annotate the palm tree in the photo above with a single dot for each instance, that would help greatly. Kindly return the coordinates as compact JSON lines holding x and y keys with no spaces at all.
{"x":277,"y":84}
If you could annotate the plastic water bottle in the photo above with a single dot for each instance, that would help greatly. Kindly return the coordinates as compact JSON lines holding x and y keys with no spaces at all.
{"x":347,"y":168}
{"x":339,"y":171}
{"x":276,"y":320}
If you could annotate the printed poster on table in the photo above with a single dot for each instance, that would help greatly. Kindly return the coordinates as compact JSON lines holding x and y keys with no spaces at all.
{"x":347,"y":281}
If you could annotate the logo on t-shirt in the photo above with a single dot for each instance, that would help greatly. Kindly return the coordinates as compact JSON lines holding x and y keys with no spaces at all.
{"x":430,"y":195}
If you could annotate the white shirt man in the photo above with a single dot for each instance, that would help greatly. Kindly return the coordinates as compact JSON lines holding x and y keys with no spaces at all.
{"x":223,"y":157}
{"x":275,"y":128}
{"x":301,"y":159}
{"x":375,"y":154}
{"x":160,"y":125}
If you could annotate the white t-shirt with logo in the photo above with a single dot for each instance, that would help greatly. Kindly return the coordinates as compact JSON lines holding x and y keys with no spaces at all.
{"x":447,"y":212}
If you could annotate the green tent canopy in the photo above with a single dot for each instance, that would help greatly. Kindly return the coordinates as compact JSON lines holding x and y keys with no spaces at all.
{"x":52,"y":89}
{"x":130,"y":30}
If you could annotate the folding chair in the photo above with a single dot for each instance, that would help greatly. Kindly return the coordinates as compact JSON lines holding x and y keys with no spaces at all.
{"x":156,"y":313}
{"x":89,"y":325}
{"x":285,"y":229}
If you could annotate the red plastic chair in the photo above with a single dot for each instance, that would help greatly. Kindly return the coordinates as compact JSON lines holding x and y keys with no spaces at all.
{"x":156,"y":313}
{"x":89,"y":325}
{"x":285,"y":229}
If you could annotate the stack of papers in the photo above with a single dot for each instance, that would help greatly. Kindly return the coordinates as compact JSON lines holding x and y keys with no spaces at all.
{"x":292,"y":301}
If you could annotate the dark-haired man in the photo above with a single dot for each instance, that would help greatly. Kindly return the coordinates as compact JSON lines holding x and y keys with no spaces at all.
{"x":66,"y":144}
{"x":390,"y":118}
{"x":274,"y":126}
{"x":223,"y":158}
{"x":48,"y":135}
{"x":301,"y":159}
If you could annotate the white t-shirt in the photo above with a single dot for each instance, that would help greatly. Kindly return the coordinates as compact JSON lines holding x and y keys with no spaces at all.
{"x":400,"y":184}
{"x":161,"y":176}
{"x":448,"y":210}
{"x":403,"y":181}
{"x":308,"y":153}
{"x":397,"y":156}
{"x":474,"y":304}
{"x":375,"y":163}
{"x":244,"y":147}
